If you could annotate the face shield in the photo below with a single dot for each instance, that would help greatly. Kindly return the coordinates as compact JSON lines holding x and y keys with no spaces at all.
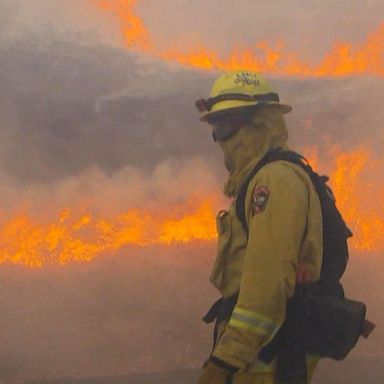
{"x":225,"y":125}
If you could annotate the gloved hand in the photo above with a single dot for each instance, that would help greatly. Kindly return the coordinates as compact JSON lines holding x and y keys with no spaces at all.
{"x":213,"y":374}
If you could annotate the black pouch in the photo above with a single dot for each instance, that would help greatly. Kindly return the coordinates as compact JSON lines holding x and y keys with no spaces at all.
{"x":334,"y":325}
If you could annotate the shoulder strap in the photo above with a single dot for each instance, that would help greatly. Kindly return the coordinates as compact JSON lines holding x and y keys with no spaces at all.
{"x":335,"y":231}
{"x":270,"y":156}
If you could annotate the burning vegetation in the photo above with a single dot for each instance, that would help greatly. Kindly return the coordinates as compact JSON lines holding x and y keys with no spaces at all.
{"x":74,"y":234}
{"x":343,"y":59}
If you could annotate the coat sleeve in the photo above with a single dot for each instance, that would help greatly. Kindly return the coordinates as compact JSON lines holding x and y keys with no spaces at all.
{"x":276,"y":231}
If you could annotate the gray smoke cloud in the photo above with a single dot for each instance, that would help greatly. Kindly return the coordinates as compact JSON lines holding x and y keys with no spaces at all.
{"x":66,"y":104}
{"x":81,"y":117}
{"x":42,"y":21}
{"x":62,"y":114}
{"x":306,"y":27}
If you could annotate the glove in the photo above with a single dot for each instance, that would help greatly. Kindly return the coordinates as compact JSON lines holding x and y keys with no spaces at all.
{"x":214,"y":374}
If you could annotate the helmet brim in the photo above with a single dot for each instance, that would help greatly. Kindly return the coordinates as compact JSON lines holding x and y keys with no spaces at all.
{"x":230,"y":105}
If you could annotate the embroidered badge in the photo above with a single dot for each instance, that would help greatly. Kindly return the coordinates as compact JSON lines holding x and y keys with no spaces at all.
{"x":247,"y":78}
{"x":259,"y":199}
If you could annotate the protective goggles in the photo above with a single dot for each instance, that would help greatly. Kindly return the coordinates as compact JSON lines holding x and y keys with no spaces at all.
{"x":226,"y":125}
{"x":205,"y":105}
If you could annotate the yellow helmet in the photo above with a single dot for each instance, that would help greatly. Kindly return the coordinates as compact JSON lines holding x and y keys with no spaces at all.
{"x":239,"y":89}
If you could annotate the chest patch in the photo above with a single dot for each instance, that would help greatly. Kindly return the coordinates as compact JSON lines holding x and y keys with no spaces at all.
{"x":259,"y":199}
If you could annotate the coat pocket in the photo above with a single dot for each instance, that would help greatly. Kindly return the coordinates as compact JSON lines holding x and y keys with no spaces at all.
{"x":223,"y":224}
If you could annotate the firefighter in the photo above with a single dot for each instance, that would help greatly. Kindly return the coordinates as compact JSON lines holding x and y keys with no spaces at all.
{"x":260,"y":263}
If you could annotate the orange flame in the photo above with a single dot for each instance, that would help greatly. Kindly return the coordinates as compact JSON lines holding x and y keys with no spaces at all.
{"x":134,"y":31}
{"x":342,"y":60}
{"x":75,"y":237}
{"x":361,"y":203}
{"x":27,"y":241}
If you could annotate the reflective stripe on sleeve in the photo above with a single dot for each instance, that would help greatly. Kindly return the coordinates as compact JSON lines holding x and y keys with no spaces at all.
{"x":252,"y":321}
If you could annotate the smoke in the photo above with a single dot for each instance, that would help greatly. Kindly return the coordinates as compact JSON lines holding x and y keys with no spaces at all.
{"x":62,"y":114}
{"x":337,"y":112}
{"x":305,"y":27}
{"x":108,"y":318}
{"x":42,"y":22}
{"x":66,"y":107}
{"x":139,"y":311}
{"x":94,"y":192}
{"x":94,"y":125}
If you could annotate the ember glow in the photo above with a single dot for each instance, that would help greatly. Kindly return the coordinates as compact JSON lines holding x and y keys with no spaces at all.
{"x":80,"y":237}
{"x":343,"y":59}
